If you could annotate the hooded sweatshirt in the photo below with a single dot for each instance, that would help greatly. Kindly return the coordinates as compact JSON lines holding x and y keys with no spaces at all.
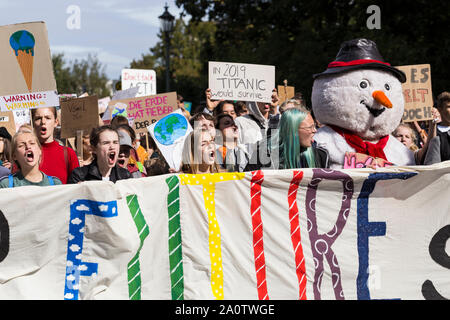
{"x":252,"y":126}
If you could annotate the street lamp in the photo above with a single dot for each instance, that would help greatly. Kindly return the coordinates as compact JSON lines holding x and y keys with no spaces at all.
{"x":167,"y":22}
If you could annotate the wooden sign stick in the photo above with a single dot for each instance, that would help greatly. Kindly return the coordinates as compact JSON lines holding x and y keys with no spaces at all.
{"x":80,"y":144}
{"x":146,"y":140}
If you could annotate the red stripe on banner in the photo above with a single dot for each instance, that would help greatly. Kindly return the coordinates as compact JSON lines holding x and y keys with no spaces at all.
{"x":295,"y":233}
{"x":258,"y":242}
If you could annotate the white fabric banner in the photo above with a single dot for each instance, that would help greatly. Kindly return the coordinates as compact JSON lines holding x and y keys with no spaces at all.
{"x":290,"y":234}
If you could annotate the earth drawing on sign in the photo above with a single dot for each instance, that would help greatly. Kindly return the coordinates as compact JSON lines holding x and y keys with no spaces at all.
{"x":170,"y":128}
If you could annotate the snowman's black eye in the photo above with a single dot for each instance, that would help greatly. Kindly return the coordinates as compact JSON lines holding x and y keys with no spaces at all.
{"x":363,"y":84}
{"x":387,"y":87}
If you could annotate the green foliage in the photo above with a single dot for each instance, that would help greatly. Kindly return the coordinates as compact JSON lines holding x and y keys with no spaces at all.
{"x":80,"y":76}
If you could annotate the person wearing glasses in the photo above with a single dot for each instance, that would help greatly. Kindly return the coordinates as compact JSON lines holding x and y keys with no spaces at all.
{"x":292,"y":146}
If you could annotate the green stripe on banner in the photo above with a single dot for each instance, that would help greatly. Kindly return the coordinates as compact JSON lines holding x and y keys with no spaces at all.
{"x":175,"y":252}
{"x":134,"y":268}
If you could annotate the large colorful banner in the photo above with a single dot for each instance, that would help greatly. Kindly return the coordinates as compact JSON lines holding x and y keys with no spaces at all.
{"x":290,"y":234}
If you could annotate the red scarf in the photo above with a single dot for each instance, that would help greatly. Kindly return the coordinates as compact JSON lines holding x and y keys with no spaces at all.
{"x":372,"y":149}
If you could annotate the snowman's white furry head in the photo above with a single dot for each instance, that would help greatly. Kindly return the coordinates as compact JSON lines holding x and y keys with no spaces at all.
{"x":347,"y":100}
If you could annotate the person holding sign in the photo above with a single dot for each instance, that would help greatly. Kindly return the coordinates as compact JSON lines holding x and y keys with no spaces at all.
{"x":439,"y":146}
{"x":57,"y":160}
{"x":5,"y":152}
{"x":230,"y":155}
{"x":26,"y":154}
{"x":105,"y":149}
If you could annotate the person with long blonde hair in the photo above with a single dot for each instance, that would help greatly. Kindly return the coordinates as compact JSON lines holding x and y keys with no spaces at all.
{"x":199,"y":153}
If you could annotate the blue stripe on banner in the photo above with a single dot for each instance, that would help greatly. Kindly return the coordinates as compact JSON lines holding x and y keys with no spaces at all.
{"x":74,"y":266}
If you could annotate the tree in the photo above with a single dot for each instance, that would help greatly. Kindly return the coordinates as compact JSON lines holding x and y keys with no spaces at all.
{"x":78,"y":77}
{"x":190,"y":47}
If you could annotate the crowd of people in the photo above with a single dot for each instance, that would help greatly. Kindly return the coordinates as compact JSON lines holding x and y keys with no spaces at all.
{"x":227,"y":136}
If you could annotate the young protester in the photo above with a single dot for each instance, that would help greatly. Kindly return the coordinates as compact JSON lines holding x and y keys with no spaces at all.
{"x":230,"y":155}
{"x":104,"y":142}
{"x":199,"y":155}
{"x":57,"y":160}
{"x":406,"y":135}
{"x":241,"y":108}
{"x":292,"y":146}
{"x":5,"y":152}
{"x":26,"y":154}
{"x":225,"y":107}
{"x":439,"y":146}
{"x":123,"y":160}
{"x":204,"y":121}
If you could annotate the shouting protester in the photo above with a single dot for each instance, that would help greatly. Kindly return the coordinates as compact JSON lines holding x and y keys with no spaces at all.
{"x":26,"y":153}
{"x":57,"y":160}
{"x":105,"y":150}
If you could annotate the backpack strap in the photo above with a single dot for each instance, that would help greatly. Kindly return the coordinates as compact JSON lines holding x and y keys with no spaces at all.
{"x":66,"y":160}
{"x":11,"y":181}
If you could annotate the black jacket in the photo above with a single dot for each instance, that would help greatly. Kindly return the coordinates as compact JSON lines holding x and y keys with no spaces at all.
{"x":91,"y":172}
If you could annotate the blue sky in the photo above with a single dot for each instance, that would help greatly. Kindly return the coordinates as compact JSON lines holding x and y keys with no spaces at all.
{"x":116,"y":31}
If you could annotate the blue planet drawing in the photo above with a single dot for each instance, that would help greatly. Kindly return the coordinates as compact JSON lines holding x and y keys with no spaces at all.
{"x":170,"y":128}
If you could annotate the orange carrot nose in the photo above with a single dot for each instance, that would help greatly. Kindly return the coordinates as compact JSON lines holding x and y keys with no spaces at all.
{"x":381,"y":98}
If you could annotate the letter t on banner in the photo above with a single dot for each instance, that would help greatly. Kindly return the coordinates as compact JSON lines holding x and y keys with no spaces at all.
{"x":74,"y":266}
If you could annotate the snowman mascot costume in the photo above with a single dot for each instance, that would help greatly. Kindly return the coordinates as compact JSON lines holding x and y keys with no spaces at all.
{"x":359,"y":99}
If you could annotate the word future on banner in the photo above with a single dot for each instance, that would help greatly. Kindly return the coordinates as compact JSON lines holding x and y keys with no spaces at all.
{"x":239,"y":81}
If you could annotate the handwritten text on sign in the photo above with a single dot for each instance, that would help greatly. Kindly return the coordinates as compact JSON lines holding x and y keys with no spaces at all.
{"x":417,"y":92}
{"x":144,"y":79}
{"x":29,"y":100}
{"x":149,"y":109}
{"x":238,"y":81}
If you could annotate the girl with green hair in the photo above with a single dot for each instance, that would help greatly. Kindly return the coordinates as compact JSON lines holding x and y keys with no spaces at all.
{"x":292,"y":146}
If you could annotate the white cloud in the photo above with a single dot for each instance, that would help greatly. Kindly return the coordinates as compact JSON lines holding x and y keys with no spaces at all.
{"x":70,"y":277}
{"x":83,"y":267}
{"x":82,"y":207}
{"x":103,"y":207}
{"x":68,"y":296}
{"x":76,"y":221}
{"x":74,"y":248}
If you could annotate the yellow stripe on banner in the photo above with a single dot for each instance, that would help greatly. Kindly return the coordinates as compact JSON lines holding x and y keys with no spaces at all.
{"x":208,"y":182}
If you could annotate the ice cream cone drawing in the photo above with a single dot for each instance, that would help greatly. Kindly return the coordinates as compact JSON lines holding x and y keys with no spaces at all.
{"x":22,"y":42}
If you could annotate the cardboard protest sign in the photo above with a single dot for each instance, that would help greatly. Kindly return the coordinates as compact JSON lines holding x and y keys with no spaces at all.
{"x":354,"y":160}
{"x":7,"y":121}
{"x":125,"y":94}
{"x":21,"y":116}
{"x":27,"y":79}
{"x":285,"y":93}
{"x":103,"y":104}
{"x":79,"y":114}
{"x":144,"y":110}
{"x":417,"y":92}
{"x":144,"y":79}
{"x":243,"y":82}
{"x":169,"y":134}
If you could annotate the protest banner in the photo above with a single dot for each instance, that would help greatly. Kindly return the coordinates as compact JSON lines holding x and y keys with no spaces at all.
{"x":417,"y":92}
{"x":242,"y":82}
{"x":274,"y":234}
{"x":169,"y":134}
{"x":27,"y":79}
{"x":7,"y":121}
{"x":145,"y":110}
{"x":144,"y":79}
{"x":79,"y":114}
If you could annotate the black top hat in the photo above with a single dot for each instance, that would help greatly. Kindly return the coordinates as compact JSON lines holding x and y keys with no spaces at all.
{"x":360,"y":54}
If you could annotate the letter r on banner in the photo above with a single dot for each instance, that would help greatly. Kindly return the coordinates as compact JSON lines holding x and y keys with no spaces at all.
{"x":74,"y":266}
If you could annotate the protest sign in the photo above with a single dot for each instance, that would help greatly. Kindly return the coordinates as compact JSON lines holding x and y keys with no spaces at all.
{"x":7,"y":121}
{"x":22,"y":116}
{"x":275,"y":234}
{"x":243,"y":82}
{"x":103,"y":104}
{"x":417,"y":92}
{"x":169,"y":134}
{"x":79,"y":114}
{"x":354,"y":160}
{"x":27,"y":79}
{"x":144,"y":79}
{"x":145,"y":110}
{"x":285,"y":93}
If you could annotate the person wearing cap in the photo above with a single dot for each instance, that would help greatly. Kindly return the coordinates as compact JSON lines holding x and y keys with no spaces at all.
{"x":104,"y":142}
{"x":125,"y":150}
{"x":231,"y":156}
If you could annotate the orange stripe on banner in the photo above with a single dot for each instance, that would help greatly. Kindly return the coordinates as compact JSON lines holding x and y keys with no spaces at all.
{"x":295,"y":233}
{"x":258,"y":242}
